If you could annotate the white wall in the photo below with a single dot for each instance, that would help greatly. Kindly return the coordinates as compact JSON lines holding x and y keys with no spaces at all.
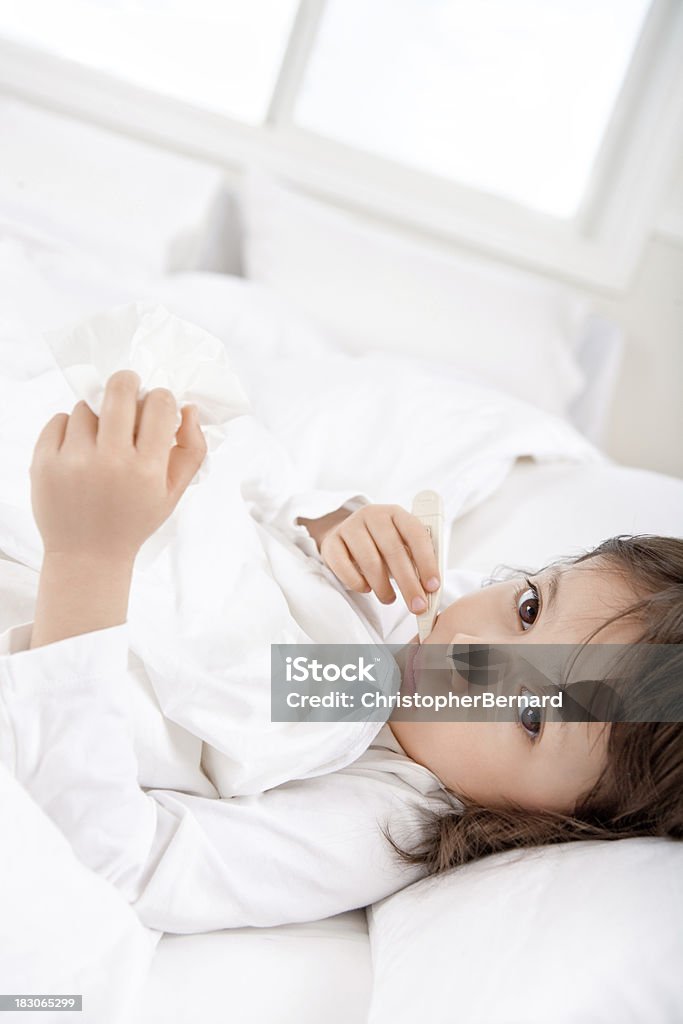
{"x":646,"y":426}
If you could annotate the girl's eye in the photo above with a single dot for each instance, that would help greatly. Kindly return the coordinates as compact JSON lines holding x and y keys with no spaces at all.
{"x":527,"y":605}
{"x":531,"y":719}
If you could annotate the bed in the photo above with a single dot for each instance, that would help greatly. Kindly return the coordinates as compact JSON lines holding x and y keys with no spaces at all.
{"x":458,"y":949}
{"x":324,"y":970}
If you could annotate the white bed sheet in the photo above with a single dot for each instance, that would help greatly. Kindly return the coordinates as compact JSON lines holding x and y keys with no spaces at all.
{"x":294,"y":974}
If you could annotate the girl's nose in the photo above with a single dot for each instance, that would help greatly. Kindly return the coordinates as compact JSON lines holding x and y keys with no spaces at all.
{"x":477,"y":661}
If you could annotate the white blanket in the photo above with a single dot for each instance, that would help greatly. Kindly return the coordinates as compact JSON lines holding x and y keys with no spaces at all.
{"x":232,"y":574}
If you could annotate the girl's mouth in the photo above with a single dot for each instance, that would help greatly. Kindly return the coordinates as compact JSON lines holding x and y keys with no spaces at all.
{"x":409,"y":673}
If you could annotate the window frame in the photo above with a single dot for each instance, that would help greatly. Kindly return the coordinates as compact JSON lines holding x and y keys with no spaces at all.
{"x":599,"y":247}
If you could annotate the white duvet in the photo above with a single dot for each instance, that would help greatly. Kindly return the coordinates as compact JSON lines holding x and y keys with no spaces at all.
{"x":230,"y":573}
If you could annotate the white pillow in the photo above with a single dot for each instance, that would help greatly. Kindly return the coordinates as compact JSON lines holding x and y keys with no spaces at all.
{"x":586,"y":931}
{"x":114,"y":198}
{"x":544,"y":512}
{"x":63,"y":929}
{"x":578,"y":932}
{"x":378,"y":290}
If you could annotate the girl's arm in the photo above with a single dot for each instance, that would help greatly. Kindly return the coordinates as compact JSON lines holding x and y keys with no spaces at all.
{"x":99,"y":488}
{"x":78,"y":594}
{"x":302,"y":851}
{"x":319,"y":528}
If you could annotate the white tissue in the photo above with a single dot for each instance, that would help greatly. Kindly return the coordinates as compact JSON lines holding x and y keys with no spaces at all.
{"x":164,"y":351}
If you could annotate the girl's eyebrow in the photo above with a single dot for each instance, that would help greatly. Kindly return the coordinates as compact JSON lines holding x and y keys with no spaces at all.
{"x":549,"y":598}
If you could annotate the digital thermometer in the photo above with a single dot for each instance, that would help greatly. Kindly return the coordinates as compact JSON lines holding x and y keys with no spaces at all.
{"x":428,"y":507}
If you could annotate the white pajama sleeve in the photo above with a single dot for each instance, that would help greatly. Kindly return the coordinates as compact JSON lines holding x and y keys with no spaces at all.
{"x":302,"y":851}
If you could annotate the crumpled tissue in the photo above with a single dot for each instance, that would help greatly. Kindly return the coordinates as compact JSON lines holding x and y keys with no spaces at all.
{"x":164,"y":351}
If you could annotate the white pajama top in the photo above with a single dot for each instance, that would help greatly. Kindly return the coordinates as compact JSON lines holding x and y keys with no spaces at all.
{"x":304,"y":850}
{"x":192,"y":861}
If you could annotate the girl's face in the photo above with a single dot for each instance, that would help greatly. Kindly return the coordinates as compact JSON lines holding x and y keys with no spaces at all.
{"x":499,"y":763}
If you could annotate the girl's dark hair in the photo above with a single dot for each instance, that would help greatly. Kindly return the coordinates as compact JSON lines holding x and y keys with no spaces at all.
{"x":640,"y":791}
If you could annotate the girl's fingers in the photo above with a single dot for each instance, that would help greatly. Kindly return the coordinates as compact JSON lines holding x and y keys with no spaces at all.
{"x":363,"y":550}
{"x":338,"y":559}
{"x":118,"y":413}
{"x":188,"y":454}
{"x":392,"y":548}
{"x":419,"y":543}
{"x":138,"y":416}
{"x":51,"y":436}
{"x":81,"y":427}
{"x":156,"y":428}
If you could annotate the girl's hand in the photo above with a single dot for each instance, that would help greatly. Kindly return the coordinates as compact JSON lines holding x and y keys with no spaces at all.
{"x":99,"y":488}
{"x":379,"y":542}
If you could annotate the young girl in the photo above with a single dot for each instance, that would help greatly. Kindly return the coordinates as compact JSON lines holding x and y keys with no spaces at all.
{"x":314,"y":847}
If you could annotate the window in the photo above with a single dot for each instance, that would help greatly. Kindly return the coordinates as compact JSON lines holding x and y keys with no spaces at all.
{"x":541,"y":131}
{"x":216,"y":54}
{"x":511,"y":98}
